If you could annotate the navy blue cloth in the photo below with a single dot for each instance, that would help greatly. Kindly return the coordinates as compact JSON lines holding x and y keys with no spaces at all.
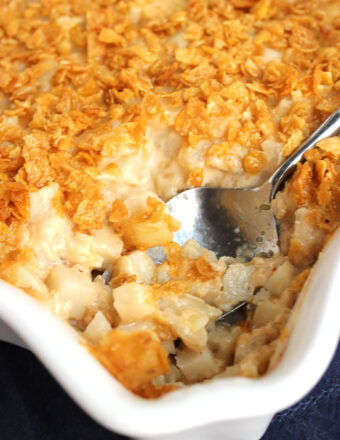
{"x":34,"y":407}
{"x":317,"y":416}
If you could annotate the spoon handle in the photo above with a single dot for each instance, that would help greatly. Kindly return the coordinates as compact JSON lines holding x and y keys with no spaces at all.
{"x":331,"y":127}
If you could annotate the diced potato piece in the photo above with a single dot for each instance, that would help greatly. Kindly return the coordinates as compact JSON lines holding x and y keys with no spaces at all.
{"x":188,"y":316}
{"x":252,"y":342}
{"x":260,"y":296}
{"x":169,"y":346}
{"x":98,"y":250}
{"x":150,"y":227}
{"x":232,"y":371}
{"x":256,"y":363}
{"x":49,"y":238}
{"x":145,"y":235}
{"x":280,"y":205}
{"x":98,"y":328}
{"x":142,"y":325}
{"x":168,"y":378}
{"x":222,"y":342}
{"x":135,"y":199}
{"x":107,"y":244}
{"x":154,"y":324}
{"x":25,"y":278}
{"x":41,"y":201}
{"x":266,"y":312}
{"x":29,"y":280}
{"x":237,"y":285}
{"x":307,"y":239}
{"x":73,"y":291}
{"x":137,"y":263}
{"x":134,"y":301}
{"x":81,"y":251}
{"x":281,"y":278}
{"x":49,"y":231}
{"x":196,"y":366}
{"x":193,"y":250}
{"x":162,"y":273}
{"x":264,"y":268}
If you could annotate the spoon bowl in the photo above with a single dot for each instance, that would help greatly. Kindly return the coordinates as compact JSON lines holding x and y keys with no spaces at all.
{"x":232,"y":222}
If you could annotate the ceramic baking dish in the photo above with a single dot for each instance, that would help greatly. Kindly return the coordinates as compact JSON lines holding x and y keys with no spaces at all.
{"x":236,"y":408}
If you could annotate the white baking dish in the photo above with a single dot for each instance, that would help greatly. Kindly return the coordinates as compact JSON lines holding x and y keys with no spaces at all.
{"x":231,"y":409}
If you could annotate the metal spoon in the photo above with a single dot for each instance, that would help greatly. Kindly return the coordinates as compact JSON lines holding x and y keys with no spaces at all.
{"x":233,"y":221}
{"x":239,"y":222}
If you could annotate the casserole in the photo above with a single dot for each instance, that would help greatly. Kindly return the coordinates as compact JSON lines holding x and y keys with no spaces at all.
{"x":107,"y":107}
{"x":233,"y":408}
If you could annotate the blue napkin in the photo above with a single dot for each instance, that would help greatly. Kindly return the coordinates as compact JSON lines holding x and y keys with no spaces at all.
{"x":317,"y":416}
{"x":34,"y":407}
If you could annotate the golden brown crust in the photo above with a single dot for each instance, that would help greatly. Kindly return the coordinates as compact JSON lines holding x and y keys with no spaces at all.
{"x":134,"y":359}
{"x":98,"y":71}
{"x":315,"y":186}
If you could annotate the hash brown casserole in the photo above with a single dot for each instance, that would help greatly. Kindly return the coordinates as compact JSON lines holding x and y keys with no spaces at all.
{"x":108,"y":108}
